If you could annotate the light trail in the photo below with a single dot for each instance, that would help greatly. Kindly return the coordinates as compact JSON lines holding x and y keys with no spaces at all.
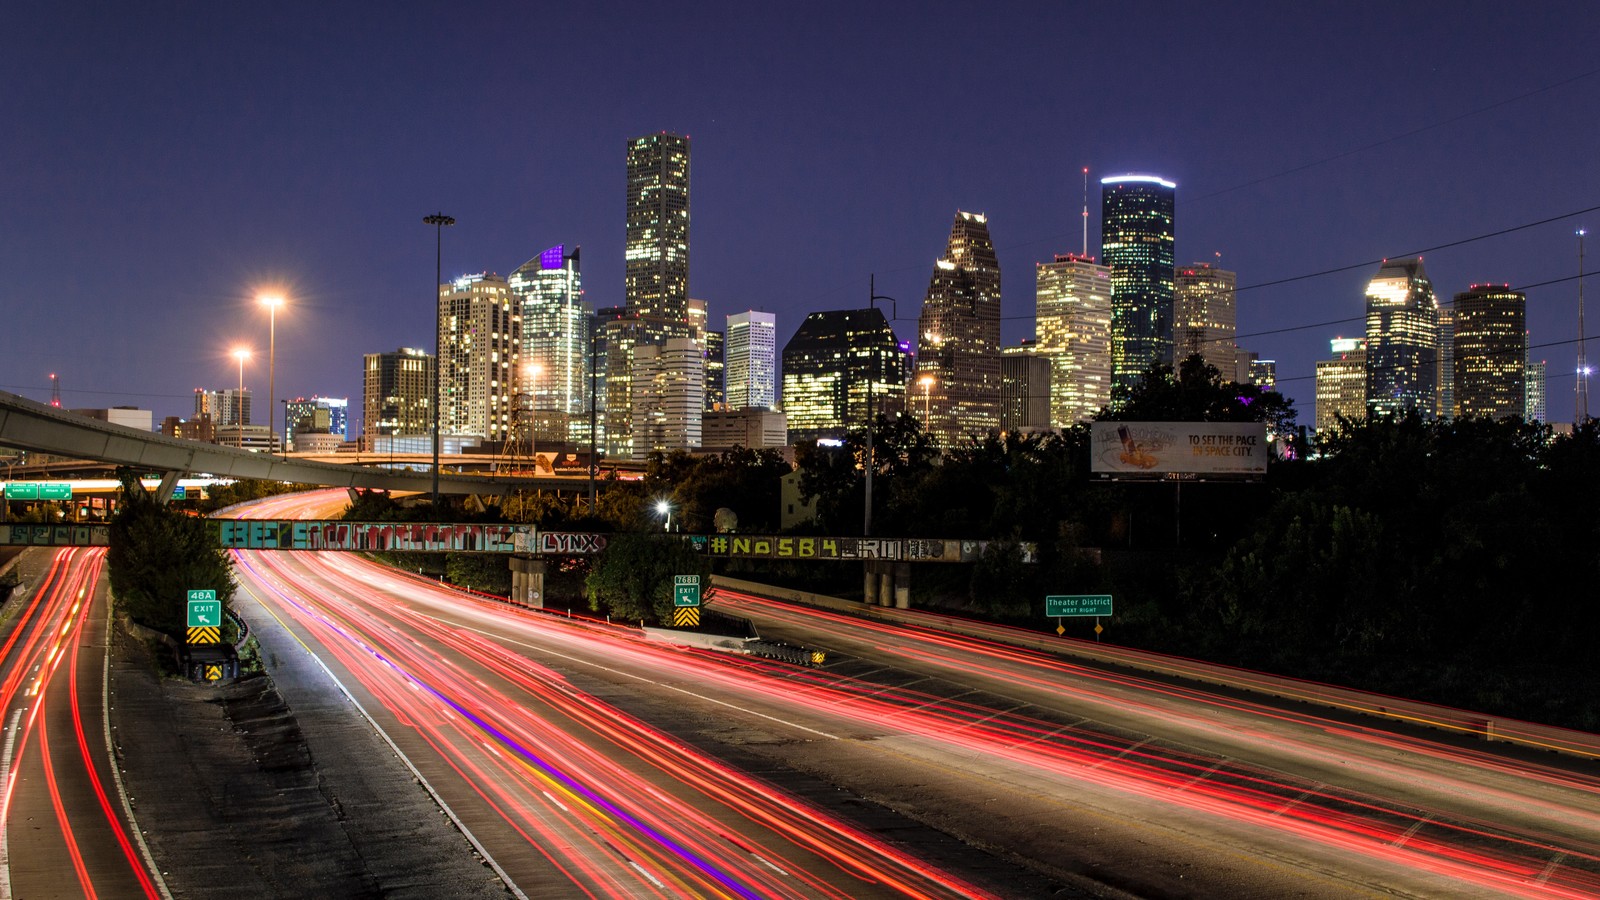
{"x":48,"y":634}
{"x":567,"y":771}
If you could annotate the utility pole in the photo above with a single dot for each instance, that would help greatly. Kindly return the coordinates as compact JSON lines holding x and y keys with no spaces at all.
{"x":438,"y":221}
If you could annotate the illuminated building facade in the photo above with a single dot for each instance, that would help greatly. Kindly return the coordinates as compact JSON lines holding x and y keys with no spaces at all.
{"x":750,"y":358}
{"x":1204,"y":316}
{"x":1446,"y":378}
{"x":317,"y":415}
{"x":480,"y":338}
{"x":1342,"y":383}
{"x":1402,"y":340}
{"x":618,"y":335}
{"x":1491,"y":351}
{"x":958,"y":335}
{"x":656,"y":274}
{"x":828,"y":365}
{"x":716,"y":371}
{"x":554,"y":360}
{"x":669,"y":396}
{"x":225,"y":407}
{"x":1137,"y":243}
{"x":1534,"y":390}
{"x":395,"y":394}
{"x":1073,"y":298}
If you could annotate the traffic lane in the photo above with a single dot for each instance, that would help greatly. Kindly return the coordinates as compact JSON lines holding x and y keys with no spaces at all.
{"x":647,"y":799}
{"x":758,"y":711}
{"x":1541,"y":799}
{"x":68,"y":832}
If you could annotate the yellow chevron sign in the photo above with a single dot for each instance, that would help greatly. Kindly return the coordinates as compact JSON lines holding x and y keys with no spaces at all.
{"x":213,"y":673}
{"x":208,"y":634}
{"x":686,"y":617}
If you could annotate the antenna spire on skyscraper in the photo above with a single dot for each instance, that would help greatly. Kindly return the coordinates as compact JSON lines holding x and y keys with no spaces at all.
{"x":1085,"y":212}
{"x":1582,"y":388}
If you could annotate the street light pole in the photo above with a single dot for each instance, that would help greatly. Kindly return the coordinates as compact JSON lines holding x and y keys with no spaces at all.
{"x":872,"y":359}
{"x":438,"y":221}
{"x":272,"y":303}
{"x":241,"y":354}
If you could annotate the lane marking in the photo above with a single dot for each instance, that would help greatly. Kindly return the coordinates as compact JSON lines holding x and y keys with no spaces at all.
{"x":415,"y":772}
{"x":116,"y":770}
{"x":5,"y":803}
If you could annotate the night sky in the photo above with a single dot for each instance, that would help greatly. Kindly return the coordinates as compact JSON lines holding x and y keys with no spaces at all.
{"x":161,"y":164}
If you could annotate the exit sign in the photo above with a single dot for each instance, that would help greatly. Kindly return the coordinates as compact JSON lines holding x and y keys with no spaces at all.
{"x":1077,"y":605}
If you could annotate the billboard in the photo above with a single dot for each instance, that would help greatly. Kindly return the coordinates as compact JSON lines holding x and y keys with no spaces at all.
{"x":1197,"y":449}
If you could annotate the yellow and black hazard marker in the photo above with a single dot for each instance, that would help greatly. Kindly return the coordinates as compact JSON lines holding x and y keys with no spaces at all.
{"x":205,"y":634}
{"x":686,"y":617}
{"x":213,"y":672}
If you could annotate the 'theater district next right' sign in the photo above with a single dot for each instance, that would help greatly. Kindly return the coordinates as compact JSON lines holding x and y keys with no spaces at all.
{"x":1155,"y":449}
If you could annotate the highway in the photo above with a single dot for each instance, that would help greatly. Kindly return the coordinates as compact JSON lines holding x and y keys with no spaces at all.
{"x":1109,"y":783}
{"x":63,"y":817}
{"x":566,"y":793}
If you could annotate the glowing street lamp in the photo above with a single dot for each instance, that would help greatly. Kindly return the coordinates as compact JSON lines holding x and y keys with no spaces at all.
{"x":271,"y":302}
{"x":241,"y":354}
{"x":926,"y":380}
{"x":665,"y":509}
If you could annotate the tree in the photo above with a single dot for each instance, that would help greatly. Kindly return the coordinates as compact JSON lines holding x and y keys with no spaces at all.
{"x":633,"y":577}
{"x":1197,"y":392}
{"x":158,"y":555}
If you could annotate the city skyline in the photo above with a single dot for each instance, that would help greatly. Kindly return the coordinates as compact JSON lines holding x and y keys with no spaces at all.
{"x":285,"y":176}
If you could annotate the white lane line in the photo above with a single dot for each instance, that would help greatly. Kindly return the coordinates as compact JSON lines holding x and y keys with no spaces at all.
{"x":416,"y":773}
{"x":5,"y":803}
{"x":116,"y":769}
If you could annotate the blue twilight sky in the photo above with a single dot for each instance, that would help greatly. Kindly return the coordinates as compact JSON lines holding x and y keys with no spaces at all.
{"x":162,"y":163}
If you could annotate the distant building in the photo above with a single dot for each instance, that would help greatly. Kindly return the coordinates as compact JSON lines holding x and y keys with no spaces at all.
{"x":229,"y":406}
{"x":1402,"y":340}
{"x":656,"y":274}
{"x":1073,"y":303}
{"x":554,"y":357}
{"x":1204,"y":315}
{"x":958,"y":335}
{"x":716,"y":371}
{"x":668,"y":397}
{"x":751,"y":427}
{"x":1445,"y":377}
{"x":1024,"y":389}
{"x":1533,"y":386}
{"x":1264,"y":374}
{"x":318,"y":415}
{"x":619,"y":333}
{"x":126,"y":416}
{"x":832,"y":363}
{"x":254,"y":438}
{"x":1342,"y":383}
{"x":199,"y":428}
{"x":480,"y":338}
{"x":1137,"y":215}
{"x":1491,"y":351}
{"x":750,"y":358}
{"x":397,"y":394}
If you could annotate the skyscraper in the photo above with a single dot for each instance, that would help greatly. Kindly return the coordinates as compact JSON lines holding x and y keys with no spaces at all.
{"x":958,"y":335}
{"x":828,"y":365}
{"x":1024,"y":389}
{"x":1447,"y":407}
{"x":317,"y":415}
{"x":1342,"y":383}
{"x":1204,"y":316}
{"x":1534,"y":390}
{"x":669,"y":396}
{"x":395,"y":394}
{"x":554,"y":358}
{"x":480,"y":338}
{"x":1136,"y":242}
{"x":1491,"y":350}
{"x":657,"y":265}
{"x":1402,"y":340}
{"x":750,"y":360}
{"x":716,"y":371}
{"x":656,"y":269}
{"x":1073,"y":300}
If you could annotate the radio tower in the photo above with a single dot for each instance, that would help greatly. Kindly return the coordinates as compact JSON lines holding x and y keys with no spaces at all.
{"x":55,"y":391}
{"x":1583,"y":361}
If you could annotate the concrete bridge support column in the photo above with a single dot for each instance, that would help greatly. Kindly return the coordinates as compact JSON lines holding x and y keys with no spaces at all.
{"x":902,"y":585}
{"x":527,"y":580}
{"x":869,"y":583}
{"x":169,"y":483}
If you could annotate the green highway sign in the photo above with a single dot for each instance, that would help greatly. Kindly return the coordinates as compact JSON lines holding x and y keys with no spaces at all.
{"x":686,"y":590}
{"x":1077,"y":605}
{"x":38,"y":490}
{"x":205,"y":610}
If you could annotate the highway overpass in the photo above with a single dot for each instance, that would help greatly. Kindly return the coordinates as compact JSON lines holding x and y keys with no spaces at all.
{"x":36,"y":427}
